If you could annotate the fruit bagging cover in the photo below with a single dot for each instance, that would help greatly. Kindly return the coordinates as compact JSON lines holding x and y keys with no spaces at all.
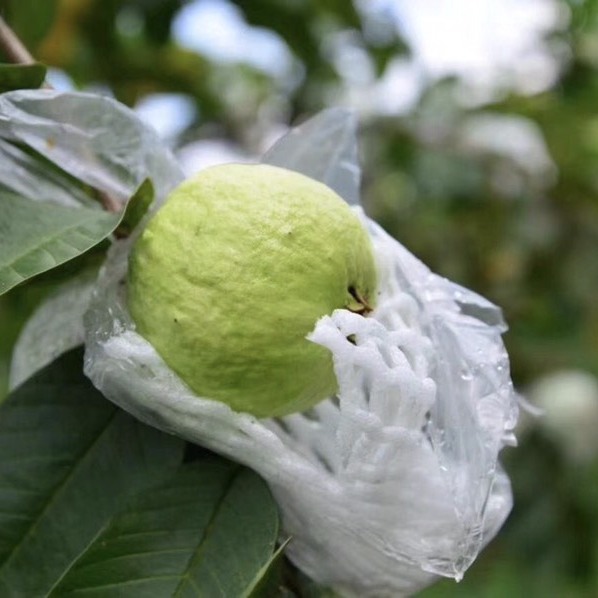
{"x":382,"y":487}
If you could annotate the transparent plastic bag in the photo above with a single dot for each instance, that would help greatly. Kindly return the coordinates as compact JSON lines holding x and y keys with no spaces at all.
{"x":93,"y":138}
{"x":396,"y":479}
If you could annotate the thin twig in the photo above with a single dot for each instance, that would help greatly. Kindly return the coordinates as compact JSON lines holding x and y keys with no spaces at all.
{"x":108,"y":202}
{"x":17,"y":53}
{"x":12,"y":46}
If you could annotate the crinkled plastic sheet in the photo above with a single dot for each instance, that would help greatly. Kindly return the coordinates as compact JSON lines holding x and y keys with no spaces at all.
{"x":324,"y":149}
{"x":396,"y":479}
{"x":91,"y":137}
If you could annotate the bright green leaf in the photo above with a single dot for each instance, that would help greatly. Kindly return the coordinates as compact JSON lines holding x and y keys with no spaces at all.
{"x":21,"y":76}
{"x":38,"y":236}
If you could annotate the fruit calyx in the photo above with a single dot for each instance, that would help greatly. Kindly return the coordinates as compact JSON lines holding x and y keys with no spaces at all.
{"x":359,"y":304}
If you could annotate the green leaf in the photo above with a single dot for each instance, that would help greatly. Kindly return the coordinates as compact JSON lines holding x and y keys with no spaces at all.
{"x":208,"y":531}
{"x":136,"y":208}
{"x":37,"y":236}
{"x":92,"y":501}
{"x":21,"y":76}
{"x":268,"y":581}
{"x":69,"y":461}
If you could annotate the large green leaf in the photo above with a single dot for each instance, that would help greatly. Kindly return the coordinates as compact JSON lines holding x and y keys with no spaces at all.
{"x":38,"y":236}
{"x":208,"y":531}
{"x":69,"y":461}
{"x":21,"y":76}
{"x":94,"y":502}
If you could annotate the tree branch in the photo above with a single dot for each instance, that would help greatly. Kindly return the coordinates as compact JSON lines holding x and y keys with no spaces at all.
{"x":108,"y":202}
{"x":12,"y":46}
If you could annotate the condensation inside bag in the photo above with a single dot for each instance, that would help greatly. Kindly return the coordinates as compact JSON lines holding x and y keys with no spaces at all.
{"x":391,"y":482}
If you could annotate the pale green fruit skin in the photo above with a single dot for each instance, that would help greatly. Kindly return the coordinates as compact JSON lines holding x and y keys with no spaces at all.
{"x":233,"y":272}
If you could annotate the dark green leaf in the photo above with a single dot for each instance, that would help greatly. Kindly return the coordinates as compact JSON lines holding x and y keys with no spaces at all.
{"x":136,"y":208}
{"x":69,"y":461}
{"x":268,"y":582}
{"x":37,"y":236}
{"x":87,"y":503}
{"x":21,"y":76}
{"x":208,"y":531}
{"x":296,"y":584}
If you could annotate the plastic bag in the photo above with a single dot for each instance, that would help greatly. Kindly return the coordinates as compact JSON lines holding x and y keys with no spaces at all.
{"x":396,"y":479}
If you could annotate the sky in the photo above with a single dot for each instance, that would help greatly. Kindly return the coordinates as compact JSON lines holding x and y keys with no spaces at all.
{"x":483,"y":40}
{"x":473,"y":38}
{"x":479,"y":40}
{"x":216,"y":28}
{"x":490,"y":45}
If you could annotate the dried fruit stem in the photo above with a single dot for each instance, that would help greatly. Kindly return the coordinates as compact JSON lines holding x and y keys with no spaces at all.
{"x":365,"y":308}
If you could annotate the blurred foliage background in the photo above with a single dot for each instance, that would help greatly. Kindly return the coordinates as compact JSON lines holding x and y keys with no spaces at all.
{"x":482,"y":160}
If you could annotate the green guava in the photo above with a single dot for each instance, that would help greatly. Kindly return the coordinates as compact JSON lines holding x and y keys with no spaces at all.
{"x":233,"y":272}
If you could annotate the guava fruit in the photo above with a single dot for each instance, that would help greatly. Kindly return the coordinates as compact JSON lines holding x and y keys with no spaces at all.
{"x":232,"y":273}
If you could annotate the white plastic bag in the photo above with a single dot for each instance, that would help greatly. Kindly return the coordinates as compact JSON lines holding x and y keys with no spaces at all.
{"x":396,"y":479}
